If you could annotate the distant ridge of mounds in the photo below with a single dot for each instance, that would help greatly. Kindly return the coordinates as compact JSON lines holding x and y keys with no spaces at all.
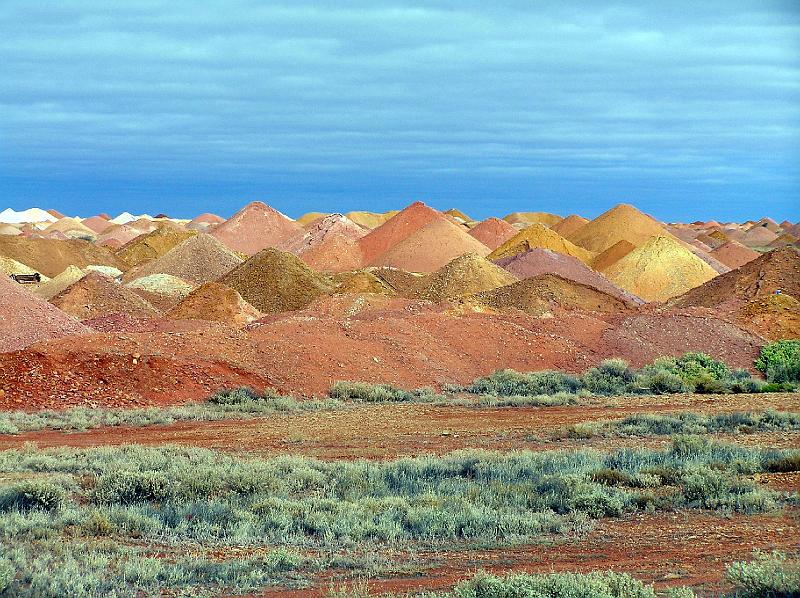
{"x":257,"y":268}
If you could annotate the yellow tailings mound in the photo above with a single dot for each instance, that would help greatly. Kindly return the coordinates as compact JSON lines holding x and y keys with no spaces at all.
{"x":371,"y":219}
{"x":11,"y":266}
{"x":310,"y":218}
{"x":622,"y":222}
{"x":570,"y":225}
{"x":465,"y":275}
{"x":273,"y":281}
{"x":55,"y":285}
{"x":361,"y":282}
{"x":541,"y":294}
{"x":660,"y":269}
{"x":458,"y":214}
{"x":217,"y":303}
{"x":153,"y":245}
{"x":538,"y":235}
{"x":532,"y":218}
{"x":612,"y":255}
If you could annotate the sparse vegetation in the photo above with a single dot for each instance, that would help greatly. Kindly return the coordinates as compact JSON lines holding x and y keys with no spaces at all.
{"x":693,"y":372}
{"x":647,"y":424}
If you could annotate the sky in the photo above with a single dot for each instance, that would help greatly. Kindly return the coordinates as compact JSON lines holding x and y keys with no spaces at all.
{"x":689,"y":110}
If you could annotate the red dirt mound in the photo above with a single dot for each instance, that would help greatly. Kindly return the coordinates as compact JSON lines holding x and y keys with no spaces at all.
{"x":778,"y":269}
{"x":493,"y":232}
{"x":26,"y":319}
{"x":204,"y":222}
{"x":117,"y":235}
{"x":215,"y":302}
{"x":758,"y":236}
{"x":96,"y":224}
{"x":620,"y":222}
{"x":274,"y":281}
{"x":784,"y":240}
{"x":734,"y":254}
{"x":330,"y":244}
{"x":570,"y":225}
{"x":543,"y":261}
{"x":541,"y":294}
{"x":430,"y":247}
{"x":51,"y":257}
{"x":704,"y":253}
{"x":97,"y":295}
{"x":198,"y":259}
{"x":255,"y":227}
{"x":398,"y":228}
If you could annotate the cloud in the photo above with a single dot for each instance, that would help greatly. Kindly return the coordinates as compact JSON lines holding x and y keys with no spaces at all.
{"x":459,"y":101}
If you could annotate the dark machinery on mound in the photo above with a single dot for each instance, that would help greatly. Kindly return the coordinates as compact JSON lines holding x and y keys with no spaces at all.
{"x":27,"y":278}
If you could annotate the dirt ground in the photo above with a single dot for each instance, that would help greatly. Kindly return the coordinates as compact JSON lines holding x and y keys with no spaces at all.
{"x":385,"y":431}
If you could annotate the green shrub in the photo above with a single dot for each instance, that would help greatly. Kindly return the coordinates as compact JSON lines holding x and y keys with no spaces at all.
{"x":7,"y":574}
{"x":662,"y":382}
{"x":780,"y":361}
{"x":30,"y":495}
{"x":778,"y":387}
{"x":510,"y":383}
{"x":242,"y":395}
{"x":554,"y":585}
{"x":767,"y":575}
{"x":611,"y":377}
{"x":127,"y":487}
{"x":785,"y":464}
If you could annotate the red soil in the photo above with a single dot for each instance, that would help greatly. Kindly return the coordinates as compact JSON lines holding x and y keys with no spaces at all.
{"x":734,"y":254}
{"x":255,"y":227}
{"x":493,"y":232}
{"x":398,"y":227}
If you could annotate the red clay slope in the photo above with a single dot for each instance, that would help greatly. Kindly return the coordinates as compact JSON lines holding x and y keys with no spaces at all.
{"x":26,"y":319}
{"x":255,"y":227}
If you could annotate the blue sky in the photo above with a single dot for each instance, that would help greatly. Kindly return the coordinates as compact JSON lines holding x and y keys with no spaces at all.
{"x":686,"y":109}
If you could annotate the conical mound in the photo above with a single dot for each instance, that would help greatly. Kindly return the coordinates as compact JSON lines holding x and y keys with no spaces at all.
{"x":55,"y":285}
{"x":273,"y":281}
{"x":51,"y":257}
{"x":467,"y":274}
{"x":612,"y":255}
{"x":541,"y":294}
{"x":118,"y":235}
{"x":96,"y":224}
{"x":255,"y":227}
{"x":622,"y":222}
{"x":659,"y":270}
{"x":784,"y":240}
{"x":538,"y":235}
{"x":153,"y":245}
{"x":96,"y":295}
{"x":217,"y":303}
{"x":570,"y":225}
{"x":205,"y":222}
{"x":493,"y":232}
{"x":734,"y":254}
{"x":10,"y":230}
{"x":162,"y":291}
{"x":777,"y":270}
{"x":199,"y":259}
{"x":361,"y":282}
{"x":319,"y":230}
{"x":398,"y":228}
{"x":544,"y":218}
{"x":26,"y":319}
{"x":310,"y":218}
{"x":458,"y":215}
{"x":336,"y":253}
{"x":758,"y":236}
{"x":536,"y":262}
{"x":70,"y":225}
{"x":431,"y":247}
{"x":704,"y":253}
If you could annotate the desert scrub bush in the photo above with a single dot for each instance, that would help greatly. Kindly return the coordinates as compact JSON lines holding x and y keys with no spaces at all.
{"x":611,"y":377}
{"x":512,"y":383}
{"x":380,"y":393}
{"x":768,"y":575}
{"x":598,"y":585}
{"x":56,"y":568}
{"x":780,"y":361}
{"x":646,"y":424}
{"x":557,"y":399}
{"x":33,"y":494}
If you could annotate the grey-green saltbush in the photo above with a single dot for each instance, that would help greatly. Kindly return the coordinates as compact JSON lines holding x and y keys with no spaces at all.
{"x":767,"y":575}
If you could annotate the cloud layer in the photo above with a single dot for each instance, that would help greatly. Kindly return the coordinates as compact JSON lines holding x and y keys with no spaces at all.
{"x":685,"y":111}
